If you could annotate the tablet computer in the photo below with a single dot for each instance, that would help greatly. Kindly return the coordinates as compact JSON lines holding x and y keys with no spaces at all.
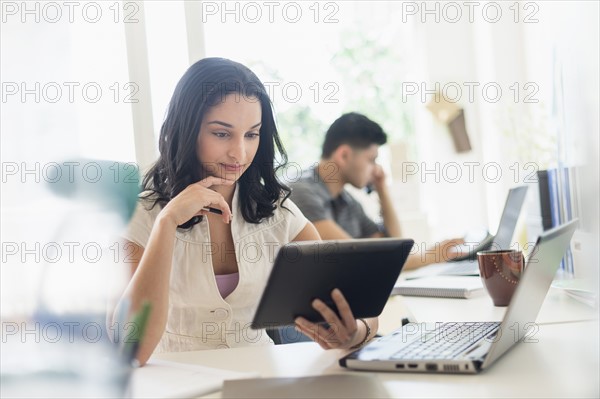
{"x":365,"y":270}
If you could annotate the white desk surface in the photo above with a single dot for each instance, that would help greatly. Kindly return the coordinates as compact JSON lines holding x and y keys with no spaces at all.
{"x":562,"y":362}
{"x":557,"y":308}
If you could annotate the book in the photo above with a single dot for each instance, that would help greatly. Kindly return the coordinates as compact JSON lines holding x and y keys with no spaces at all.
{"x":544,"y":194}
{"x":553,"y":187}
{"x":167,"y":379}
{"x":589,"y":299}
{"x":321,"y":386}
{"x":559,"y":202}
{"x":440,"y":287}
{"x":558,"y":195}
{"x":579,"y":289}
{"x":567,"y":209}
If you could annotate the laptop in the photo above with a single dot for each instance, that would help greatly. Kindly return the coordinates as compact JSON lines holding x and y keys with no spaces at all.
{"x":464,"y":347}
{"x":467,"y":265}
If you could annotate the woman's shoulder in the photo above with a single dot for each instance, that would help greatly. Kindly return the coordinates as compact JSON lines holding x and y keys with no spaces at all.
{"x":140,"y":224}
{"x":285,"y":205}
{"x":147,"y":206}
{"x":281,"y":226}
{"x":286,"y":210}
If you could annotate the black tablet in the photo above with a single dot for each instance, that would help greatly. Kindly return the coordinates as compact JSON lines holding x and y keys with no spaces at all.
{"x":364,"y":270}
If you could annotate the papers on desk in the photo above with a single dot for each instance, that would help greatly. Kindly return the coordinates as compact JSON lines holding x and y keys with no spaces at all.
{"x":578,"y":289}
{"x":323,"y":386}
{"x":164,"y":379}
{"x":441,"y":287}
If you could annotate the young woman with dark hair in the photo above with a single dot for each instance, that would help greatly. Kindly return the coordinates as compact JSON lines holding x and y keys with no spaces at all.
{"x":212,"y":216}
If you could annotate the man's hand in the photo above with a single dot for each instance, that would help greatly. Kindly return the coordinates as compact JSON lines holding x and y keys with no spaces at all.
{"x":453,"y":248}
{"x":378,"y":178}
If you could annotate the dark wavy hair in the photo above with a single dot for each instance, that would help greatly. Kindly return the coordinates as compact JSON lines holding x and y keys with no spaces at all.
{"x":203,"y":85}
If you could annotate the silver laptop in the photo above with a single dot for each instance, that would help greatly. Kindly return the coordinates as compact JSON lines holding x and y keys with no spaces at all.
{"x":469,"y":347}
{"x":467,"y":265}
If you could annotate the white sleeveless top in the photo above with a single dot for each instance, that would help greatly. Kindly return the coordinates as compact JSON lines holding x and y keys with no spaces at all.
{"x":199,"y":317}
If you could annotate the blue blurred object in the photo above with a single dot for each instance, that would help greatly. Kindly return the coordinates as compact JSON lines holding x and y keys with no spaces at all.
{"x":113,"y":185}
{"x":286,"y":335}
{"x":73,"y":346}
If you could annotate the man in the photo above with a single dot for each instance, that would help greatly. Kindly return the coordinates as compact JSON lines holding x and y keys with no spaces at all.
{"x":349,"y":153}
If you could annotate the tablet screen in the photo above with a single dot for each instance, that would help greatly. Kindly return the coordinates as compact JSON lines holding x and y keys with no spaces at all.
{"x":365,"y":270}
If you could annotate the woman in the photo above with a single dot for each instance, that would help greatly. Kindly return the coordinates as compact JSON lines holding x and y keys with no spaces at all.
{"x":212,"y":215}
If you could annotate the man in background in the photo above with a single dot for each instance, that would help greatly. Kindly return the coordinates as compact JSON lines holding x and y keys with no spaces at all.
{"x":349,"y":155}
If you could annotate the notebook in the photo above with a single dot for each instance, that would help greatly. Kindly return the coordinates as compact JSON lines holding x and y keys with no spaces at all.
{"x":166,"y":379}
{"x":324,"y":386}
{"x":441,"y":286}
{"x":467,"y":265}
{"x":579,"y":289}
{"x":470,"y":347}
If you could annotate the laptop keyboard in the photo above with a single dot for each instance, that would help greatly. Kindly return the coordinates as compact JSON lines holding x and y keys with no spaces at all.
{"x":447,"y":341}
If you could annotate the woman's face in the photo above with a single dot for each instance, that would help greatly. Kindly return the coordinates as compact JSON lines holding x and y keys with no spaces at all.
{"x":229,"y":137}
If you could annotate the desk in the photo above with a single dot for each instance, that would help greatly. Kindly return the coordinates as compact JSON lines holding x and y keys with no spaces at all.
{"x":557,"y":308}
{"x":562,"y":363}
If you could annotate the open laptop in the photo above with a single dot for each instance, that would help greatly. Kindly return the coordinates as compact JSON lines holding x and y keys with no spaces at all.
{"x":467,"y":265}
{"x":470,"y":347}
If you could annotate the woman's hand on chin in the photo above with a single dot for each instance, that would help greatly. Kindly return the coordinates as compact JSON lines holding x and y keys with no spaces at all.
{"x":195,"y":200}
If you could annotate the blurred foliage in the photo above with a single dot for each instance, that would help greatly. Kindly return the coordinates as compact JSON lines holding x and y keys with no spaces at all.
{"x":370,"y":73}
{"x":372,"y":76}
{"x":302,"y":134}
{"x":530,"y":133}
{"x":300,"y":130}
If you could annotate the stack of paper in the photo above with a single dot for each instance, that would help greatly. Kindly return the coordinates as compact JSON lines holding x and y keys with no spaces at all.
{"x":578,"y":289}
{"x":322,"y":386}
{"x":164,"y":379}
{"x":440,"y":286}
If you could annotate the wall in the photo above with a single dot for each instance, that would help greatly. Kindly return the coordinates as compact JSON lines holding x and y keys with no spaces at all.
{"x":518,"y":135}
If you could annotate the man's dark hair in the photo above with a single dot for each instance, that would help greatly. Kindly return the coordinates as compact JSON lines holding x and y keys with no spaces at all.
{"x":354,"y":129}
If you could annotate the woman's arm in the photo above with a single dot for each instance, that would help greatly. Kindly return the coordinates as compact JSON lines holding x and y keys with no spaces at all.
{"x":308,"y":233}
{"x":152,"y":266}
{"x":150,"y":282}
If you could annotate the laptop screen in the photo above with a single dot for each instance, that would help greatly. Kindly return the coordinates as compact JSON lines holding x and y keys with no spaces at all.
{"x":532,"y":289}
{"x":510,"y":215}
